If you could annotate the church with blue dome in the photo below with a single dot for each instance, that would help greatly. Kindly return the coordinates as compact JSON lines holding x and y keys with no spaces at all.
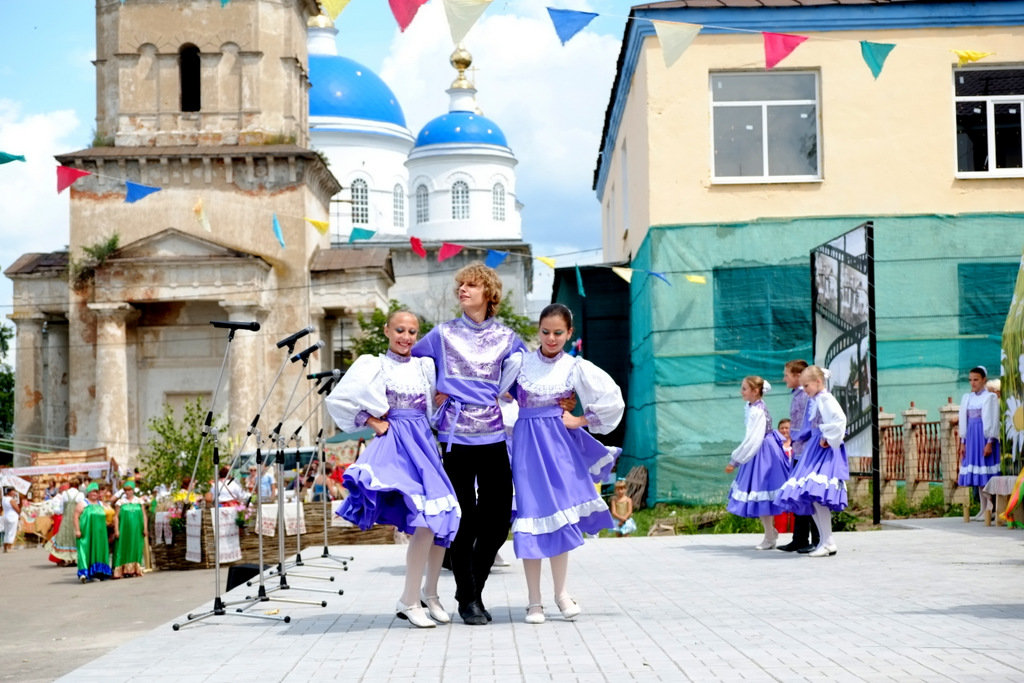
{"x":452,"y":181}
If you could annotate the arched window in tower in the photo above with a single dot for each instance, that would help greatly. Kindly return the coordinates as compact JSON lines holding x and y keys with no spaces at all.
{"x":422,"y":204}
{"x":398,"y":204}
{"x":460,"y":200}
{"x":188,"y":74}
{"x":360,"y":203}
{"x":498,"y":202}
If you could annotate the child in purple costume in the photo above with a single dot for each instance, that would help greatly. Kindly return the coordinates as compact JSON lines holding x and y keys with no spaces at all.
{"x":555,"y":463}
{"x":399,"y":479}
{"x":763,"y":466}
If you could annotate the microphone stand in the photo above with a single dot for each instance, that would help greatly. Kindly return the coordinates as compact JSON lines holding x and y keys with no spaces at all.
{"x":218,"y":604}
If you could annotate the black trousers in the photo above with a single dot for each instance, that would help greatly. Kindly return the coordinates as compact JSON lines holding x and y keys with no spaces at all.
{"x":482,"y":479}
{"x":802,"y":526}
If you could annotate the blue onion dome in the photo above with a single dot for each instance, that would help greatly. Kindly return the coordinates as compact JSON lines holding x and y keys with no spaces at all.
{"x":461,"y":127}
{"x":344,"y":88}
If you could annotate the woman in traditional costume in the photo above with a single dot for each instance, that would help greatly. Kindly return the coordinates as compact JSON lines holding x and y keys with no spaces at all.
{"x":62,"y":547}
{"x":91,"y":532}
{"x":555,"y":463}
{"x":130,"y":531}
{"x":399,"y":479}
{"x":979,"y":434}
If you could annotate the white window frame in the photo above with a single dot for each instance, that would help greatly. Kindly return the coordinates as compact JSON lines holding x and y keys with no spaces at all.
{"x":990,"y":122}
{"x":460,"y":200}
{"x":398,"y":205}
{"x":360,"y":191}
{"x":764,"y":104}
{"x":498,"y":202}
{"x":422,"y":204}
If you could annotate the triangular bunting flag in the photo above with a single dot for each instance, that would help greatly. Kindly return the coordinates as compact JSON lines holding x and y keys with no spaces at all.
{"x":405,"y":11}
{"x":417,"y":247}
{"x":333,"y":7}
{"x":547,"y":261}
{"x":360,"y":234}
{"x":777,"y":47}
{"x":137,"y":191}
{"x":674,"y":37}
{"x":224,"y":3}
{"x":964,"y":56}
{"x":462,"y":14}
{"x":625,"y":273}
{"x":448,"y":250}
{"x":569,"y":22}
{"x":697,"y":279}
{"x":321,"y":226}
{"x":66,"y":175}
{"x":874,"y":55}
{"x":6,"y":158}
{"x":660,"y":276}
{"x":200,"y":215}
{"x":579,"y":283}
{"x":277,"y":231}
{"x":495,"y":258}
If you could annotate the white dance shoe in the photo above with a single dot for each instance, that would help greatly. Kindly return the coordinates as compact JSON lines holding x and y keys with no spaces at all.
{"x":568,"y":606}
{"x":535,"y":613}
{"x":824,"y":551}
{"x":417,"y":616}
{"x":434,"y":608}
{"x":765,"y":544}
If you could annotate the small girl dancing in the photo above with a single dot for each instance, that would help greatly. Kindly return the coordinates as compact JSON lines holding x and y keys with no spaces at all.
{"x":818,"y":483}
{"x":763,"y":466}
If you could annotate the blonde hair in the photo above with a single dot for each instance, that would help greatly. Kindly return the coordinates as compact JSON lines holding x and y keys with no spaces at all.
{"x":478,"y":274}
{"x":756,"y":383}
{"x":814,"y":372}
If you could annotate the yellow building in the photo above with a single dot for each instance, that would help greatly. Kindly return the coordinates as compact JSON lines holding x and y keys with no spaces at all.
{"x":729,"y":172}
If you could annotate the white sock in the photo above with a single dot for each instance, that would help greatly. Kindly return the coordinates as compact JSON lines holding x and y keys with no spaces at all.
{"x":823,"y":520}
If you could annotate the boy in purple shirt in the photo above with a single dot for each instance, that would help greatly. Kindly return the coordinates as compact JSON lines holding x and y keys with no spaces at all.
{"x":468,"y":353}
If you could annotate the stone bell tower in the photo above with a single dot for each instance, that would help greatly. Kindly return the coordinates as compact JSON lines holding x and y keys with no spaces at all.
{"x":207,"y":103}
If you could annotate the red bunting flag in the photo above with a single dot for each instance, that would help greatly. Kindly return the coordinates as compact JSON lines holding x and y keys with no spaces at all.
{"x":777,"y":47}
{"x":448,"y":250}
{"x":66,"y":175}
{"x":417,"y":247}
{"x":404,"y":11}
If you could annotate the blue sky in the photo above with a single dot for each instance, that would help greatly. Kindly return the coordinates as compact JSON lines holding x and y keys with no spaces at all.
{"x":549,"y":99}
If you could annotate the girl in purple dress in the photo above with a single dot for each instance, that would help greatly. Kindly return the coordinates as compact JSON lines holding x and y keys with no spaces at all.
{"x":555,"y":463}
{"x":399,"y":479}
{"x":979,"y":434}
{"x":763,"y":466}
{"x":818,"y":483}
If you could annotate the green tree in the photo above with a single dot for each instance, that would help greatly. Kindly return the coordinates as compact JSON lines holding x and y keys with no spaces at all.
{"x":520,"y":324}
{"x":6,"y":382}
{"x":372,"y":339}
{"x":170,"y":454}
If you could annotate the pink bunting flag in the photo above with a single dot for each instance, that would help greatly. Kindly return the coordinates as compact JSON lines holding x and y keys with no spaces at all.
{"x":66,"y":176}
{"x":777,"y":47}
{"x":417,"y":247}
{"x":405,"y":11}
{"x":448,"y":250}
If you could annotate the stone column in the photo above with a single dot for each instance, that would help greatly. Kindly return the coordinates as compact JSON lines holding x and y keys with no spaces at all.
{"x":912,"y":418}
{"x":245,"y":371}
{"x":112,"y":423}
{"x":55,"y":375}
{"x":888,"y":486}
{"x":29,"y":429}
{"x":949,"y":415}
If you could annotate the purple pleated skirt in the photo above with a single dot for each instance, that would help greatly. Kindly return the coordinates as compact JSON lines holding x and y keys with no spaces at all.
{"x":399,"y":480}
{"x":818,"y":477}
{"x":554,"y":471}
{"x":759,"y":481}
{"x":976,"y":469}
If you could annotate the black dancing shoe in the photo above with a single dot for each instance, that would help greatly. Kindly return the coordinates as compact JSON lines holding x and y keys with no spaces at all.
{"x":806,"y":549}
{"x":472,"y":613}
{"x":791,"y":547}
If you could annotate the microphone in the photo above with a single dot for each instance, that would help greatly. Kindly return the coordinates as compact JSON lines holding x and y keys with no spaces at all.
{"x":304,"y":355}
{"x":231,"y":325}
{"x":325,"y":373}
{"x":290,"y":340}
{"x":326,"y":388}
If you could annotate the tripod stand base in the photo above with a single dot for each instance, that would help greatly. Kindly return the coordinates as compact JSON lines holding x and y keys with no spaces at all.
{"x":219,"y":611}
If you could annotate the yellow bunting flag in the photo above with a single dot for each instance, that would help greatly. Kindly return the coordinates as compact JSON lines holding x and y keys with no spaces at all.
{"x":964,"y":56}
{"x":674,"y":37}
{"x":547,"y":261}
{"x":462,"y":14}
{"x":200,"y":215}
{"x":321,"y":226}
{"x":334,"y":7}
{"x":625,"y":273}
{"x":697,"y":279}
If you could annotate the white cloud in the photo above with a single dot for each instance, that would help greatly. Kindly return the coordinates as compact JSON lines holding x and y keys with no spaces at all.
{"x":33,"y":217}
{"x":548,"y":98}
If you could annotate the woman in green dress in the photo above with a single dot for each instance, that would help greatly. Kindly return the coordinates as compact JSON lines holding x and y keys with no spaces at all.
{"x":91,"y":532}
{"x":130,"y":531}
